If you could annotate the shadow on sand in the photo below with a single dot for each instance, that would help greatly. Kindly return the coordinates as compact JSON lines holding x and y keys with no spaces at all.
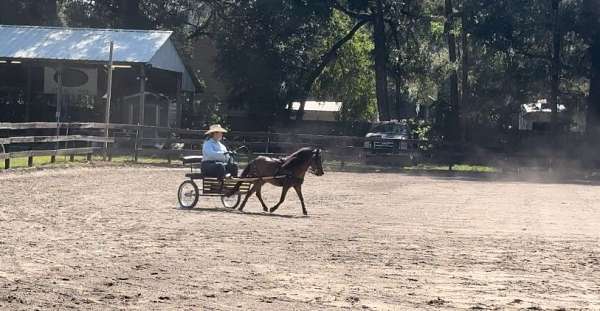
{"x":575,"y":177}
{"x":235,"y":211}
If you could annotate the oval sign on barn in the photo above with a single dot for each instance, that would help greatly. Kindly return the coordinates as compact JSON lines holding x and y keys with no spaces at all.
{"x":72,"y":78}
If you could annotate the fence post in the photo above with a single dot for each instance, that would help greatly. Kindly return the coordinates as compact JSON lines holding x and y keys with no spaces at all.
{"x":169,"y":145}
{"x":30,"y":161}
{"x":6,"y":161}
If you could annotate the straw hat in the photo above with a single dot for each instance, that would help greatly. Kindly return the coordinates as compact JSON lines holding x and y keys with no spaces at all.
{"x":215,"y":128}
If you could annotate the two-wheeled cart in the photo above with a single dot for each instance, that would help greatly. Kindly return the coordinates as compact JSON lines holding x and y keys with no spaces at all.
{"x":199,"y":185}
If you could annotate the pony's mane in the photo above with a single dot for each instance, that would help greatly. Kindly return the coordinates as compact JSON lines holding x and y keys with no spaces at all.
{"x":302,"y":152}
{"x":301,"y":155}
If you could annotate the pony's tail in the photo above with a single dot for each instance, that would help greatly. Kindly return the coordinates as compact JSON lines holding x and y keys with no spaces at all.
{"x":245,"y":173}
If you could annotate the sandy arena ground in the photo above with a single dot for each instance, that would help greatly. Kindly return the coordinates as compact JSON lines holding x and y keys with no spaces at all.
{"x":112,"y":238}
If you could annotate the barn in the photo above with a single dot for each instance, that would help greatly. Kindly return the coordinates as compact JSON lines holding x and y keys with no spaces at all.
{"x":60,"y":74}
{"x":319,"y":110}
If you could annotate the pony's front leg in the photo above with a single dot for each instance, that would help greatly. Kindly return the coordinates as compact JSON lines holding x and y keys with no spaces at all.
{"x":284,"y":191}
{"x":298,"y":189}
{"x":259,"y":196}
{"x":250,"y":192}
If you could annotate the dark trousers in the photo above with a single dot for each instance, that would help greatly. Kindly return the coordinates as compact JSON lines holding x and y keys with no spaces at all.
{"x":218,"y":169}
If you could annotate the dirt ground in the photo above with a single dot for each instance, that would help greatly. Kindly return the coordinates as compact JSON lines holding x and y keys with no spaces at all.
{"x":113,"y":238}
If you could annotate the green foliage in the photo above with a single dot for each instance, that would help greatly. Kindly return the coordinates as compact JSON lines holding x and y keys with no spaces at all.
{"x":29,"y":12}
{"x":420,"y":129}
{"x":350,"y":79}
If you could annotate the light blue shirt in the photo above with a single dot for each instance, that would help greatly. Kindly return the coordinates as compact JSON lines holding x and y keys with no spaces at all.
{"x":213,"y":150}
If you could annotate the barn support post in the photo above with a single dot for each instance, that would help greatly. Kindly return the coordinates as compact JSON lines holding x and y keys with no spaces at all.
{"x":28,"y":102}
{"x":59,"y":100}
{"x":140,"y":132}
{"x":130,"y":116}
{"x":157,"y":119}
{"x":268,"y":143}
{"x":179,"y":96}
{"x":135,"y":143}
{"x":108,"y":98}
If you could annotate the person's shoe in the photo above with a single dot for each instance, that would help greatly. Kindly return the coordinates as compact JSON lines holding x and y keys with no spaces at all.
{"x":227,"y":175}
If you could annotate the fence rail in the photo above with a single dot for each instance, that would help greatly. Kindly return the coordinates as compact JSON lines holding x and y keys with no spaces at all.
{"x":39,"y":145}
{"x":54,"y":139}
{"x":126,"y":139}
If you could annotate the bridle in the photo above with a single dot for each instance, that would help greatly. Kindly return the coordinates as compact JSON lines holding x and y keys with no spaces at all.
{"x":316,"y":154}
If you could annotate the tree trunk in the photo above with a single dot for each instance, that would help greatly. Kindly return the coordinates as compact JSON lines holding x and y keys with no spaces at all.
{"x":5,"y":12}
{"x":400,"y":111}
{"x":555,"y":70}
{"x":453,"y":109}
{"x":465,"y":76}
{"x":593,"y":103}
{"x":42,"y":12}
{"x":591,"y":17}
{"x":380,"y":63}
{"x":130,"y":16}
{"x":51,"y":13}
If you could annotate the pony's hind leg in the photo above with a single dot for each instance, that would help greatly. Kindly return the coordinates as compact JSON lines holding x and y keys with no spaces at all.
{"x":250,"y":192}
{"x":298,"y":189}
{"x":284,"y":191}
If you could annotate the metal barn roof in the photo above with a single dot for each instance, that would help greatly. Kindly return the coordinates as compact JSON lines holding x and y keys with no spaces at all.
{"x":88,"y":44}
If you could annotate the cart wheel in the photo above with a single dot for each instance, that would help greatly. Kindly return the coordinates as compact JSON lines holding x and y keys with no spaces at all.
{"x":231,"y":201}
{"x":188,"y":194}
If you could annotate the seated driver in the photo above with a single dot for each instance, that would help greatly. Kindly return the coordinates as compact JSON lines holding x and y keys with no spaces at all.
{"x":216,"y":160}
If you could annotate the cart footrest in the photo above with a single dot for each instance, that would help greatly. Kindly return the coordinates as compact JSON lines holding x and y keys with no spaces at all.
{"x":214,"y":185}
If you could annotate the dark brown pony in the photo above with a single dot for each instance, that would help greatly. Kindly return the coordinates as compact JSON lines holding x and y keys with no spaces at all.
{"x":293,"y":167}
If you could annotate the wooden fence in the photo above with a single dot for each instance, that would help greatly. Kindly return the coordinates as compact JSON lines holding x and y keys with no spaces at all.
{"x":137,"y":141}
{"x":37,"y":146}
{"x":29,"y":140}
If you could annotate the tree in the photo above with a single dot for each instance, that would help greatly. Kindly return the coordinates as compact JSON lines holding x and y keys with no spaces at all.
{"x":128,"y":14}
{"x":29,"y":12}
{"x":270,"y":52}
{"x":453,"y":108}
{"x":350,"y":77}
{"x":519,"y":45}
{"x":590,"y":30}
{"x":373,"y":12}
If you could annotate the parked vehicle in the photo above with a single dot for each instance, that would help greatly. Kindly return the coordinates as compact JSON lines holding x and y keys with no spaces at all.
{"x":391,"y":142}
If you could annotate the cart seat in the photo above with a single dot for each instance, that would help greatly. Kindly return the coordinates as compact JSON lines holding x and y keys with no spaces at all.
{"x":191,"y":159}
{"x":194,"y":175}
